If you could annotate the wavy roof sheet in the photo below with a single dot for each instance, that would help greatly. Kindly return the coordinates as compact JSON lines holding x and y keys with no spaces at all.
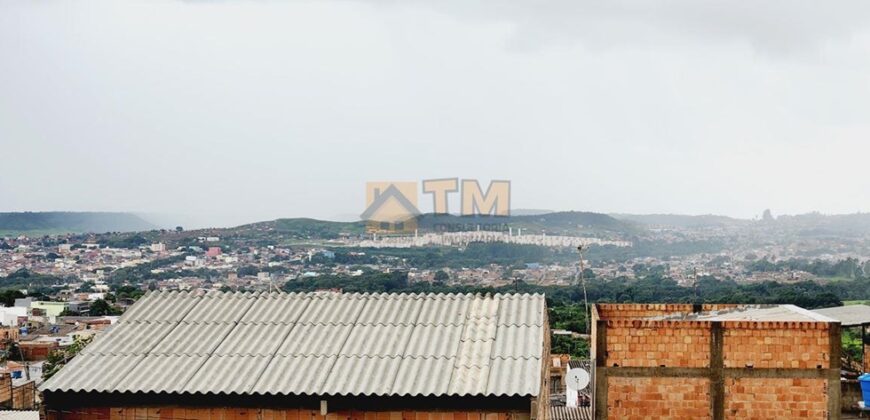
{"x":317,"y":344}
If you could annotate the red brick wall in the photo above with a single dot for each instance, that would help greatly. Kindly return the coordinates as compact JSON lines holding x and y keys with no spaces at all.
{"x":646,"y":343}
{"x":37,"y":350}
{"x":5,"y":388}
{"x":775,"y":398}
{"x":658,"y":343}
{"x":794,"y":345}
{"x":651,"y":398}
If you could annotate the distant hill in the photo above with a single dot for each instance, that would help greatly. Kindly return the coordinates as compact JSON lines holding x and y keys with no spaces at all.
{"x":318,"y":228}
{"x":808,"y":224}
{"x":817,"y":224}
{"x":573,"y":222}
{"x":70,"y":222}
{"x":565,"y":223}
{"x":529,"y":212}
{"x":680,"y":220}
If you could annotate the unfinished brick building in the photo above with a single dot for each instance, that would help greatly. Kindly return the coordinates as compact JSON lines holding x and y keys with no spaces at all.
{"x":714,"y":362}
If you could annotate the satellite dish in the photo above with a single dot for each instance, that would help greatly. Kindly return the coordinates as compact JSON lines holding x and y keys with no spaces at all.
{"x":577,"y":379}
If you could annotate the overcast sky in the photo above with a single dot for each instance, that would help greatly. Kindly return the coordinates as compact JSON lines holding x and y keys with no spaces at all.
{"x":235,"y":111}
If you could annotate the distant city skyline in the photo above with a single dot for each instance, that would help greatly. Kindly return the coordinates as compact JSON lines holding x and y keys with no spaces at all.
{"x":239,"y":111}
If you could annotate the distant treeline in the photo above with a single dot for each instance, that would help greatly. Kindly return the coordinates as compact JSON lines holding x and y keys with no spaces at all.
{"x":480,"y":254}
{"x":849,"y":268}
{"x":652,"y":289}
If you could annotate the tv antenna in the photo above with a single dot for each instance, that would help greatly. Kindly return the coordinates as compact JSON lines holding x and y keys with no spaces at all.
{"x":583,"y":284}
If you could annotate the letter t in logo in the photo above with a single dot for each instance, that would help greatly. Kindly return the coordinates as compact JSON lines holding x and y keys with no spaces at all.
{"x":439,"y":188}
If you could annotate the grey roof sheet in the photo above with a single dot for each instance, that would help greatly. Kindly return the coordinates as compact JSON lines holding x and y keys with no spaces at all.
{"x":849,"y":315}
{"x":761,"y":313}
{"x":19,"y":415}
{"x":317,"y":344}
{"x":571,"y":413}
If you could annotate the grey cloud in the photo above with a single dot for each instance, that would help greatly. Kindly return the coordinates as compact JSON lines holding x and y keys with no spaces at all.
{"x":776,"y":27}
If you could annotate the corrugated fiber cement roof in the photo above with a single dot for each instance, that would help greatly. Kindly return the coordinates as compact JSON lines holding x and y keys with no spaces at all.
{"x":316,"y":344}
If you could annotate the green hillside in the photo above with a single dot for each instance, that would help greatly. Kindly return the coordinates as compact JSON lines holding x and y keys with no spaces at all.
{"x":305,"y":227}
{"x":564,"y":223}
{"x":34,"y":223}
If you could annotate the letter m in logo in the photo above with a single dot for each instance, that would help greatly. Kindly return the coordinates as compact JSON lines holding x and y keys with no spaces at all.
{"x":495,"y":201}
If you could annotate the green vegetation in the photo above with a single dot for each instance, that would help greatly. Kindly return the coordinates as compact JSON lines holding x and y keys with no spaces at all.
{"x":371,"y":282}
{"x":853,"y":349}
{"x":8,"y":296}
{"x":100,"y":307}
{"x":320,"y":229}
{"x":479,"y":254}
{"x":849,"y":268}
{"x":60,"y":357}
{"x":26,"y":279}
{"x":566,"y":344}
{"x":142,"y":272}
{"x":570,"y":317}
{"x":125,"y":292}
{"x":129,"y":241}
{"x":558,"y":223}
{"x":564,"y":223}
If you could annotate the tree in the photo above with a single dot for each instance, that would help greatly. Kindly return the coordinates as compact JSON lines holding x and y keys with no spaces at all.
{"x":128,"y":292}
{"x":60,"y":357}
{"x":7,"y":297}
{"x":441,"y":275}
{"x":86,"y":287}
{"x":100,"y":307}
{"x":179,"y":229}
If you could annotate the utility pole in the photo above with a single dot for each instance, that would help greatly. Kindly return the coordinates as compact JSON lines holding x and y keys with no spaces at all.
{"x":583,"y":284}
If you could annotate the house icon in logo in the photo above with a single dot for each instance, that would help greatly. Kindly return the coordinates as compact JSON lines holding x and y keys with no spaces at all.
{"x":391,"y":207}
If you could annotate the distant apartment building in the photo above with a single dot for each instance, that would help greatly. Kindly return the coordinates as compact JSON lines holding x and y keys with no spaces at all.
{"x":714,"y":362}
{"x":13,"y":316}
{"x":158,"y":247}
{"x":213,"y":251}
{"x":46,"y":309}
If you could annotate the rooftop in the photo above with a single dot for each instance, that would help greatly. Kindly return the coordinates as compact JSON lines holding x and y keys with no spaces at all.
{"x":849,"y":315}
{"x":19,"y":415}
{"x":761,"y":313}
{"x":317,"y":344}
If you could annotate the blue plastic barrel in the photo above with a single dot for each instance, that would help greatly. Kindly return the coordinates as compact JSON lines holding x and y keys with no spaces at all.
{"x":865,"y":388}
